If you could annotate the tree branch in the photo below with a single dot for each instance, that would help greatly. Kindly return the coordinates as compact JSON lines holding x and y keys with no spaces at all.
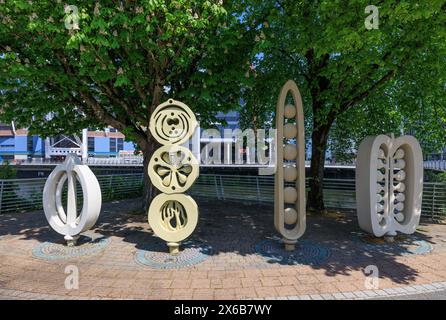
{"x":347,"y":104}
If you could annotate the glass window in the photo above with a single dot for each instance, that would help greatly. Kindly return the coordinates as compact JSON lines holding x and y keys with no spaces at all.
{"x":30,"y":144}
{"x":120,"y":144}
{"x":112,"y":144}
{"x":91,"y":144}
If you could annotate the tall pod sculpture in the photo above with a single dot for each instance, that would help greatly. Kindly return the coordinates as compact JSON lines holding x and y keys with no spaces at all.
{"x":289,"y":193}
{"x":173,"y":169}
{"x":389,"y":185}
{"x":71,"y":223}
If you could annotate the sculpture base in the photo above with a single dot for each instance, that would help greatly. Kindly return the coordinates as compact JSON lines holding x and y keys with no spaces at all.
{"x":71,"y":240}
{"x":290,"y":245}
{"x":390,"y":237}
{"x":174,"y":248}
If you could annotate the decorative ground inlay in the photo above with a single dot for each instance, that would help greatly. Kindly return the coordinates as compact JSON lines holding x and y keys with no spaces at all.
{"x":403,"y":244}
{"x":306,"y":252}
{"x":86,"y":245}
{"x":157,"y":257}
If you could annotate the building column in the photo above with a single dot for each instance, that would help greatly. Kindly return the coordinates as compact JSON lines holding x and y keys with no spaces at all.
{"x":228,"y":151}
{"x":84,"y":146}
{"x":47,"y":148}
{"x":196,"y":143}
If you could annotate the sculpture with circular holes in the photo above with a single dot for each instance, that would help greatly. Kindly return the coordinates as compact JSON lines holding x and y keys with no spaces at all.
{"x":173,"y":169}
{"x":172,"y":123}
{"x":71,"y":223}
{"x":289,"y":203}
{"x":173,"y":216}
{"x":389,"y":185}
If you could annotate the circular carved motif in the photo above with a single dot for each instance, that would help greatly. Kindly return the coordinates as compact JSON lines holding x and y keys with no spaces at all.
{"x":289,"y":111}
{"x":172,"y":123}
{"x":290,"y":152}
{"x":174,"y":217}
{"x":290,"y":174}
{"x":173,"y":169}
{"x":290,"y":216}
{"x":290,"y":195}
{"x":290,"y":131}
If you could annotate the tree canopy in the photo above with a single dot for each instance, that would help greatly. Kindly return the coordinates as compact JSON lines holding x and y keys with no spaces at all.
{"x":100,"y":63}
{"x":352,"y":79}
{"x":111,"y":62}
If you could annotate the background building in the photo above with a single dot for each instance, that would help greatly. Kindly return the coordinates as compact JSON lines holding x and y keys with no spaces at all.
{"x":16,"y":145}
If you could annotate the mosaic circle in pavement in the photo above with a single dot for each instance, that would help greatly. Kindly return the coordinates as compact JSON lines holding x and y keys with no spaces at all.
{"x":403,"y":244}
{"x":306,"y":252}
{"x":86,"y":245}
{"x":157,"y":257}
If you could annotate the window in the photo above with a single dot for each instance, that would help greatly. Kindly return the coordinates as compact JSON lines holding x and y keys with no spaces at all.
{"x":113,"y":130}
{"x":120,"y":144}
{"x":90,"y":144}
{"x":112,"y":145}
{"x":30,"y":144}
{"x":7,"y":158}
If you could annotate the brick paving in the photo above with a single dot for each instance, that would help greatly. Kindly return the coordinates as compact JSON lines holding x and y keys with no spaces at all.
{"x":233,"y":269}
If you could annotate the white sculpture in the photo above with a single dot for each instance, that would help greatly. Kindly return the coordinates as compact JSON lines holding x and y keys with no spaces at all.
{"x":389,"y":185}
{"x":289,"y":202}
{"x":173,"y":169}
{"x":70,"y":223}
{"x":176,"y":219}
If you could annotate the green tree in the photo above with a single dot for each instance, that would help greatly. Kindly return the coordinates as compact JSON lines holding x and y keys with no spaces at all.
{"x":98,"y":63}
{"x":346,"y":71}
{"x":7,"y":171}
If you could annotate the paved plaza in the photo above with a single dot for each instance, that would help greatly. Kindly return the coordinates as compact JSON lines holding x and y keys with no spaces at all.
{"x":234,"y":254}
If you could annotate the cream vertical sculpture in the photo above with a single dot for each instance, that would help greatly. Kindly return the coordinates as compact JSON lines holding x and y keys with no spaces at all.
{"x":173,"y":169}
{"x":71,"y":223}
{"x":289,"y":206}
{"x":389,"y":185}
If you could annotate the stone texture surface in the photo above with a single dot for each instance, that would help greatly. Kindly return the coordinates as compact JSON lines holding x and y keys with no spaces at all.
{"x":234,"y":270}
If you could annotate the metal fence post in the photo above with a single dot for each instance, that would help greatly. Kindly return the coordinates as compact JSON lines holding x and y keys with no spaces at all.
{"x":1,"y":194}
{"x":217,"y":191}
{"x":433,"y":200}
{"x":259,"y":198}
{"x":222,"y":188}
{"x":110,"y":186}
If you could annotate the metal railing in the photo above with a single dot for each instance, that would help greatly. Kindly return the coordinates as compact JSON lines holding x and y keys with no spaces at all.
{"x":26,"y":194}
{"x":435,"y":165}
{"x":18,"y":195}
{"x":338,"y":193}
{"x":137,"y":161}
{"x":119,"y":161}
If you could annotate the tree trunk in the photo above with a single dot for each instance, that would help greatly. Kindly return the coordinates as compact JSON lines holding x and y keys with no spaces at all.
{"x":149,"y":191}
{"x":319,"y":141}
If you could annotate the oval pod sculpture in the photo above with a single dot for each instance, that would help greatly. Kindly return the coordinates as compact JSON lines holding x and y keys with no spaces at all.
{"x":69,"y":223}
{"x":389,"y":185}
{"x":173,"y":216}
{"x":289,"y":202}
